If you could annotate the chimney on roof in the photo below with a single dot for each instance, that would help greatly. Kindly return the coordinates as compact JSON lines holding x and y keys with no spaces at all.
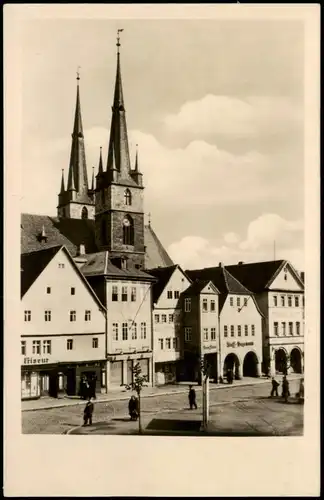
{"x":220,"y":264}
{"x":241,"y":263}
{"x":302,"y":276}
{"x":81,"y":249}
{"x":42,"y":236}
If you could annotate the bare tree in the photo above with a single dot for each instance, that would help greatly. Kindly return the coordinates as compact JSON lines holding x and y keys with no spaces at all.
{"x":139,"y":381}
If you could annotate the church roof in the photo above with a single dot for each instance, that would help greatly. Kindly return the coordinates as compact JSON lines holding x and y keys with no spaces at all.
{"x":75,"y":232}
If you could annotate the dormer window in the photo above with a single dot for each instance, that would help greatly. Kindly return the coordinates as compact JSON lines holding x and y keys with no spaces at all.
{"x":128,"y":197}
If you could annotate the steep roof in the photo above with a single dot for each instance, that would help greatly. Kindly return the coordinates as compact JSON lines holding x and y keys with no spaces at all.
{"x":75,"y":232}
{"x":33,"y":264}
{"x":163,"y":275}
{"x":98,"y":264}
{"x":257,"y":275}
{"x":221,"y":278}
{"x":197,"y":286}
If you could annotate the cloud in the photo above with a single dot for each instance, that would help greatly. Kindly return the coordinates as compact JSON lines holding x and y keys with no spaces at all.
{"x":227,"y":115}
{"x":196,"y":252}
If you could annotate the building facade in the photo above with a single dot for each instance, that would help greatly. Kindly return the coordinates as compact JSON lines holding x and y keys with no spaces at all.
{"x":63,"y":326}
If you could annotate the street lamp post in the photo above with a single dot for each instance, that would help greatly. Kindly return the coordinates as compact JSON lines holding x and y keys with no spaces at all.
{"x":205,"y":387}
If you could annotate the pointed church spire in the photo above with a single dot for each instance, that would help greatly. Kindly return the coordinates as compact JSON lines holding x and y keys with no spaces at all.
{"x":136,"y":159}
{"x":100,"y":168}
{"x":118,"y":151}
{"x":92,"y":181}
{"x":62,"y":183}
{"x":78,"y":177}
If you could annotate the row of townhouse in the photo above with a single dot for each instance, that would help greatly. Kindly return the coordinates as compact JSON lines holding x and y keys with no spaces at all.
{"x":87,"y":317}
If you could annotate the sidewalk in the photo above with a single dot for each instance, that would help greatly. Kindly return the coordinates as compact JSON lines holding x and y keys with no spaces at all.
{"x":47,"y":403}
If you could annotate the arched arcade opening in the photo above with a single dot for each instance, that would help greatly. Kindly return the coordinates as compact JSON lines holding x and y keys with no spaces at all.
{"x":250,"y":365}
{"x":296,"y":360}
{"x":281,"y":361}
{"x":232,"y":363}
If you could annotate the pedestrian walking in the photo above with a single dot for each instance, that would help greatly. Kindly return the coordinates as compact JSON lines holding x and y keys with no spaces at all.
{"x":285,"y":389}
{"x":88,"y":411}
{"x":133,"y":408}
{"x":275,"y":385}
{"x":192,"y":397}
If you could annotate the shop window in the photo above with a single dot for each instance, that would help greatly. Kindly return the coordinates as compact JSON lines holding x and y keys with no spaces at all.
{"x":114,"y":293}
{"x":168,"y":343}
{"x":87,"y":315}
{"x":47,"y":346}
{"x":187,"y":304}
{"x":205,"y":333}
{"x":134,"y":331}
{"x":124,"y":294}
{"x":239,"y":330}
{"x":36,"y":346}
{"x":72,"y":290}
{"x":23,"y":347}
{"x":246,"y":330}
{"x":296,"y":301}
{"x":225,"y":331}
{"x":169,"y":294}
{"x":276,"y":328}
{"x":188,"y":334}
{"x":48,"y":289}
{"x":253,"y":330}
{"x":95,"y":343}
{"x":115,"y":331}
{"x":212,"y":306}
{"x":157,"y":318}
{"x":125,"y":331}
{"x":171,"y":318}
{"x":161,"y":344}
{"x":297,"y":328}
{"x":69,"y":344}
{"x":133,"y":294}
{"x":143,"y":330}
{"x":213,"y":333}
{"x":27,"y":315}
{"x":72,"y":315}
{"x":48,"y":315}
{"x":205,"y":305}
{"x":163,"y":318}
{"x":176,"y":294}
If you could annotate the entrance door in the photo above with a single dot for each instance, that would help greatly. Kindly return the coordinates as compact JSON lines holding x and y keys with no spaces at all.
{"x":53,"y":384}
{"x":129,"y":371}
{"x":71,"y":382}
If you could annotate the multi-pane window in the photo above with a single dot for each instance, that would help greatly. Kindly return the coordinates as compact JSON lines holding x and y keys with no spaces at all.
{"x":157,"y":318}
{"x":188,"y":333}
{"x":163,"y":318}
{"x":95,"y":343}
{"x":187,"y":304}
{"x":168,"y":343}
{"x":47,"y":346}
{"x":133,"y":294}
{"x":283,"y":328}
{"x":297,"y":328}
{"x":27,"y":315}
{"x":125,"y":331}
{"x":143,"y":330}
{"x":275,"y":300}
{"x":253,"y":330}
{"x":72,"y":315}
{"x":23,"y":347}
{"x":205,"y":305}
{"x":238,"y":301}
{"x":289,"y":300}
{"x":212,"y":306}
{"x":61,"y":265}
{"x":87,"y":315}
{"x":231,"y":301}
{"x":175,"y":343}
{"x":114,"y":293}
{"x":69,"y":344}
{"x":275,"y":328}
{"x":161,"y":343}
{"x":296,"y":301}
{"x":282,"y":298}
{"x":246,"y":330}
{"x":291,"y":330}
{"x":48,"y":289}
{"x":239,"y":330}
{"x":169,"y":294}
{"x":72,"y":290}
{"x":36,"y":346}
{"x":124,"y":294}
{"x":176,"y":294}
{"x":232,"y":330}
{"x":245,"y":301}
{"x":205,"y":333}
{"x":171,"y":318}
{"x":225,"y":331}
{"x":134,"y":331}
{"x":213,"y":333}
{"x":115,"y":331}
{"x":48,"y":315}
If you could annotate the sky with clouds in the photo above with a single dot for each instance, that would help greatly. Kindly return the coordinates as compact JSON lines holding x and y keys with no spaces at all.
{"x":216,"y":107}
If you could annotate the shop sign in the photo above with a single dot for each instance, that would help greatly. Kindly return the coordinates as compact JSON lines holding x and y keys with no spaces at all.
{"x":239,"y":344}
{"x":35,"y":361}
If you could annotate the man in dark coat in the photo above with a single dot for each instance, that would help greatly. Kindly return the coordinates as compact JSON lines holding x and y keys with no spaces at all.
{"x":285,"y":389}
{"x":88,"y":411}
{"x":192,"y":397}
{"x":230,"y":376}
{"x":275,"y":385}
{"x":133,"y":408}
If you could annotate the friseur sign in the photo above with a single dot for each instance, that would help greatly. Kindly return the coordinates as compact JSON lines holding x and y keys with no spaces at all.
{"x":35,"y":361}
{"x":239,"y":344}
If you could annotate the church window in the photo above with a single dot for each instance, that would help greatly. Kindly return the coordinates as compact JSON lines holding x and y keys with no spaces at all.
{"x":128,"y":231}
{"x":84,"y":213}
{"x":128,"y":197}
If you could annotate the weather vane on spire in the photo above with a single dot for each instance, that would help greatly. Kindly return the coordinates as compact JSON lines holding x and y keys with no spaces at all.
{"x":78,"y":72}
{"x":118,"y":38}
